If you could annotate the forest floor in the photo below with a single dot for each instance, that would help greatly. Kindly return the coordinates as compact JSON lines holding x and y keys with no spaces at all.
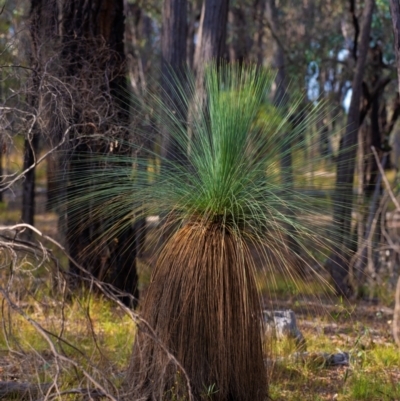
{"x":95,"y":339}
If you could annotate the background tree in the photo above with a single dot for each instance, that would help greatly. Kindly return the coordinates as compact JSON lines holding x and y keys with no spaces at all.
{"x":346,"y":163}
{"x":32,"y":140}
{"x":211,"y":35}
{"x":174,"y":43}
{"x":395,"y":13}
{"x":94,"y":65}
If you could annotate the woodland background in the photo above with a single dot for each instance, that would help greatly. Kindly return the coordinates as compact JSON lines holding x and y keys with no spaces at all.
{"x":69,"y":67}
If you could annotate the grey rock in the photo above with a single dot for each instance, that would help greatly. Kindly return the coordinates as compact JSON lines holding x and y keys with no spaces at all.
{"x":281,"y":324}
{"x":323,"y":358}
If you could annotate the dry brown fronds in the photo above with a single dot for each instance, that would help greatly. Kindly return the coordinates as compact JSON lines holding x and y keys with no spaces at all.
{"x":203,"y":305}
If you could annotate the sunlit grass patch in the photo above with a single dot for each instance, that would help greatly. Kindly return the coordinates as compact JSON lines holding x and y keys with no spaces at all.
{"x":8,"y":217}
{"x":89,"y":330}
{"x":371,"y":387}
{"x":308,"y":378}
{"x":99,"y":336}
{"x":385,"y":356}
{"x":281,"y":285}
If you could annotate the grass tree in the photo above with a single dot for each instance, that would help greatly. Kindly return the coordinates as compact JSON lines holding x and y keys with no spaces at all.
{"x":226,"y":203}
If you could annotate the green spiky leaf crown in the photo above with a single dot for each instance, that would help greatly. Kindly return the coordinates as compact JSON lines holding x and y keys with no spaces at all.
{"x":230,"y":173}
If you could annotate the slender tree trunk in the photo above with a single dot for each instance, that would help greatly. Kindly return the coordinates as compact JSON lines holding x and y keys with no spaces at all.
{"x":174,"y":34}
{"x":395,"y":11}
{"x":32,"y":141}
{"x":280,"y":100}
{"x":239,"y":42}
{"x":1,"y":171}
{"x":194,"y":9}
{"x":211,"y":45}
{"x":343,"y":199}
{"x":28,"y":187}
{"x":212,"y":34}
{"x":258,"y":17}
{"x":280,"y":97}
{"x":2,"y":144}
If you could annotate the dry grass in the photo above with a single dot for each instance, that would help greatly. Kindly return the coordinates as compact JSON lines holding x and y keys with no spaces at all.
{"x":101,"y":336}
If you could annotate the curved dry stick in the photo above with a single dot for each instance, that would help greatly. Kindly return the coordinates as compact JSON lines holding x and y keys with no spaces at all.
{"x":142,"y":323}
{"x":38,"y":161}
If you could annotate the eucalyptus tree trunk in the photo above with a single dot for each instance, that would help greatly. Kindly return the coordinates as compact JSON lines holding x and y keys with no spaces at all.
{"x":94,"y":62}
{"x":395,"y":12}
{"x":343,"y":198}
{"x":212,"y":34}
{"x":239,"y":43}
{"x":173,"y":42}
{"x":281,"y":96}
{"x":211,"y":45}
{"x":194,"y":11}
{"x":280,"y":100}
{"x":31,"y":143}
{"x":258,"y":38}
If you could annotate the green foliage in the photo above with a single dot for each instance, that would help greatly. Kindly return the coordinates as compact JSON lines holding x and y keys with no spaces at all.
{"x":226,"y":194}
{"x":232,"y":172}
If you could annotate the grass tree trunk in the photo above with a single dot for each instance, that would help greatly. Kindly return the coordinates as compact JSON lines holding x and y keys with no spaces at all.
{"x":202,"y":308}
{"x":202,"y":333}
{"x":202,"y":303}
{"x":343,"y":198}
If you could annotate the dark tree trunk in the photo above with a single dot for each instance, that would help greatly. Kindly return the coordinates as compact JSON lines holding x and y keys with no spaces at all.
{"x":371,"y":167}
{"x":212,"y":33}
{"x":280,"y":97}
{"x":280,"y":100}
{"x":239,"y":42}
{"x":211,"y":43}
{"x":343,"y":199}
{"x":395,"y":12}
{"x":93,"y":55}
{"x":174,"y":34}
{"x":194,"y":10}
{"x":32,"y":139}
{"x":2,"y":144}
{"x":28,"y":186}
{"x":258,"y":18}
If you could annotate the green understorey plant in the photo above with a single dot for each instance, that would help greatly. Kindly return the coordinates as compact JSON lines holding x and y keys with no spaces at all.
{"x":224,"y":205}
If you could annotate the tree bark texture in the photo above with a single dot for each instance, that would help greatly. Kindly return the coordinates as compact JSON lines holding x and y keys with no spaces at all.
{"x":212,"y":33}
{"x":280,"y":100}
{"x":343,"y":199}
{"x":395,"y":12}
{"x":94,"y":62}
{"x":258,"y":17}
{"x":211,"y":45}
{"x":240,"y":42}
{"x":32,"y":139}
{"x":173,"y":41}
